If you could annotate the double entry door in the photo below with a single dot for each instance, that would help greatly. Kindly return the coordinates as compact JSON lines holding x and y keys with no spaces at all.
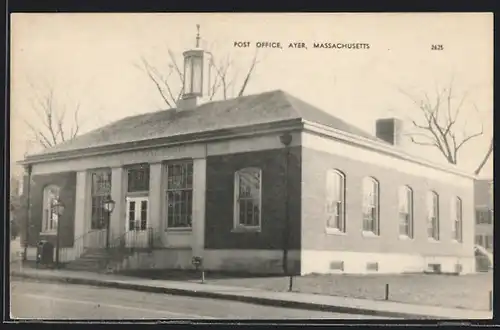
{"x":138,"y":231}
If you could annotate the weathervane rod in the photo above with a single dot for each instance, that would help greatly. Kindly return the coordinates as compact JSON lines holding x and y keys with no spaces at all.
{"x":198,"y":36}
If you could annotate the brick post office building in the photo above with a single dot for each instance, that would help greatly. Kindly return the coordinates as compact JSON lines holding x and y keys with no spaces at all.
{"x":259,"y":183}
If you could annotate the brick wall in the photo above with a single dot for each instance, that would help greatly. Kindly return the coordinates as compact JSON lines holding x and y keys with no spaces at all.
{"x":220,"y":200}
{"x":67,"y":183}
{"x":314,"y":167}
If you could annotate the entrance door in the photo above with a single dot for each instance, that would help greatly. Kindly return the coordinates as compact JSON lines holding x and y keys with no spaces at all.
{"x":137,"y":222}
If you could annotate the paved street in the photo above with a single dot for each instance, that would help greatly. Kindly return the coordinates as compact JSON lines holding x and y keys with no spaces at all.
{"x":30,"y":299}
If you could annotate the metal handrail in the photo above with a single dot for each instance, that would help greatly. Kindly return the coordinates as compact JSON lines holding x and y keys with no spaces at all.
{"x":150,"y":238}
{"x":81,"y":244}
{"x":118,"y":247}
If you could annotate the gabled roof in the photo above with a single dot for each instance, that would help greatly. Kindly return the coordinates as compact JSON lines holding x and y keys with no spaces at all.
{"x":268,"y":107}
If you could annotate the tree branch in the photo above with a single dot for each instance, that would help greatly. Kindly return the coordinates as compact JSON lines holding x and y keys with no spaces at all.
{"x":485,"y":159}
{"x":443,"y":136}
{"x":50,"y":130}
{"x":149,"y":71}
{"x":249,"y":75}
{"x":468,"y":138}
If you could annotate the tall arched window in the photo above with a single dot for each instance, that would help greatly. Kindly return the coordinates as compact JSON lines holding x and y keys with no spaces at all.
{"x":433,"y":215}
{"x":335,"y":200}
{"x":247,"y":198}
{"x":371,"y":202}
{"x":50,"y":216}
{"x":456,"y":219}
{"x":405,"y":211}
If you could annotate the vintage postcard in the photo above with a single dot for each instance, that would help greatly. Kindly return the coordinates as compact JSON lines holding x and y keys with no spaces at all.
{"x":251,"y":166}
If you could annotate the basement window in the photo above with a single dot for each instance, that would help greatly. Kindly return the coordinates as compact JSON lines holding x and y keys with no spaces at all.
{"x":337,"y":265}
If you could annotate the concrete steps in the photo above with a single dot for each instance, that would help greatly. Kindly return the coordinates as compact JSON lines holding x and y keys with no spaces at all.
{"x":97,"y":260}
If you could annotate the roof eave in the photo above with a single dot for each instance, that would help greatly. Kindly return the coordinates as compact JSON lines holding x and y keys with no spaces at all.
{"x":189,"y":138}
{"x":378,"y":146}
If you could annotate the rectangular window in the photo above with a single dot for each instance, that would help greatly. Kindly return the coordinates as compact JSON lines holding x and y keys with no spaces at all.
{"x":488,"y":241}
{"x":138,"y":178}
{"x":101,"y":188}
{"x":479,"y":240}
{"x":456,"y":218}
{"x":484,"y":217}
{"x":247,"y":206}
{"x":371,"y":205}
{"x":335,"y":200}
{"x":179,"y":194}
{"x":406,"y":211}
{"x":433,"y":215}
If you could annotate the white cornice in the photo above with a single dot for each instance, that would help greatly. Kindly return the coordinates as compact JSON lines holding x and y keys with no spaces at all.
{"x":381,"y":147}
{"x":238,"y":132}
{"x":185,"y":139}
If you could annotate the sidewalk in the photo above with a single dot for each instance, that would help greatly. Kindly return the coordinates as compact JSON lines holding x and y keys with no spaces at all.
{"x":262,"y":297}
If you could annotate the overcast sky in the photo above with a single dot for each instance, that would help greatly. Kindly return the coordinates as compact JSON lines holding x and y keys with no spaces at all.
{"x":91,"y":59}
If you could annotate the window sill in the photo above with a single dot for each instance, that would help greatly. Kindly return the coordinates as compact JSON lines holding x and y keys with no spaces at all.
{"x":179,"y":229}
{"x":405,"y":238}
{"x":455,"y":241}
{"x":49,"y":233}
{"x":335,"y":231}
{"x":433,"y":240}
{"x":246,"y":230}
{"x":369,"y":234}
{"x":133,"y":194}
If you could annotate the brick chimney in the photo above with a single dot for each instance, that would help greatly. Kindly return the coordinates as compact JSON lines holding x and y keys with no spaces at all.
{"x":390,"y":130}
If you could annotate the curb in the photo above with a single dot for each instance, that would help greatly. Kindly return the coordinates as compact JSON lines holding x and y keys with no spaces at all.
{"x":231,"y":297}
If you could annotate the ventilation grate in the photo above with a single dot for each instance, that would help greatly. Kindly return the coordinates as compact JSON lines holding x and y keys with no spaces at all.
{"x":337,"y":265}
{"x":372,"y":266}
{"x":434,"y":268}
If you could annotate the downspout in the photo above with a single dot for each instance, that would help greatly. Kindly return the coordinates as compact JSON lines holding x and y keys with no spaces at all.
{"x":286,"y":140}
{"x":28,"y":214}
{"x":287,"y":225}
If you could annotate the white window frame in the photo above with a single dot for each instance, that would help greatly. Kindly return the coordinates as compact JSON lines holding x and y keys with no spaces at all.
{"x":488,"y":242}
{"x":138,"y":201}
{"x":237,"y":226}
{"x":456,"y":221}
{"x":169,"y":189}
{"x":406,"y":217}
{"x":479,"y":240}
{"x":335,"y":202}
{"x":147,"y":172}
{"x":99,"y":195}
{"x":375,"y":230}
{"x":47,"y":203}
{"x":433,"y":221}
{"x":484,"y":216}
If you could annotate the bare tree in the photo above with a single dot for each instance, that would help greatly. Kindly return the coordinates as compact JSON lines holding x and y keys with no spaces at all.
{"x":442,"y":124}
{"x":485,"y":159}
{"x":54,"y":122}
{"x":222,"y":77}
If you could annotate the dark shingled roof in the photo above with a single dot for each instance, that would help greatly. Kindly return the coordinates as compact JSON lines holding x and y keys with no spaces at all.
{"x":261,"y":108}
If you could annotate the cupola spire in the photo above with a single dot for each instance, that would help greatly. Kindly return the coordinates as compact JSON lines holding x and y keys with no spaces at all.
{"x":193,"y":75}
